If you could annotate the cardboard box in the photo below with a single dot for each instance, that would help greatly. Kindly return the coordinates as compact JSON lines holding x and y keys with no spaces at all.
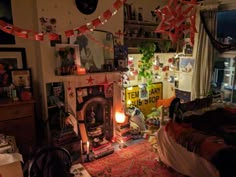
{"x":10,"y":165}
{"x":13,"y":169}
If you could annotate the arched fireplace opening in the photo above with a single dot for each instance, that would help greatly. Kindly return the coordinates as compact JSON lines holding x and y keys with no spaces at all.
{"x":95,"y":116}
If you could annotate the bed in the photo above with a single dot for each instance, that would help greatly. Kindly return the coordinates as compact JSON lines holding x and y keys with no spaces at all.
{"x":199,"y":139}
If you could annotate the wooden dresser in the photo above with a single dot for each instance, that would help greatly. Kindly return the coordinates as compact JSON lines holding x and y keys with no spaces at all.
{"x":17,"y":119}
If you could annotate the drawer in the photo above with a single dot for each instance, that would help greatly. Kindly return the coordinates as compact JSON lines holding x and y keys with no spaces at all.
{"x":22,"y":129}
{"x":16,"y":111}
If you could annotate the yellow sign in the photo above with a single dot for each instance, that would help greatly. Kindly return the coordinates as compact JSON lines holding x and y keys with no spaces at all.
{"x":134,"y":96}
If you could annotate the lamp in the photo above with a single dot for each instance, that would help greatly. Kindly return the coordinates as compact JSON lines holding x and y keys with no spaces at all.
{"x":120,"y":117}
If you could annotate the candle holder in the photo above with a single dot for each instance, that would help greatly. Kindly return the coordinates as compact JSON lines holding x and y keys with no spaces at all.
{"x":122,"y":145}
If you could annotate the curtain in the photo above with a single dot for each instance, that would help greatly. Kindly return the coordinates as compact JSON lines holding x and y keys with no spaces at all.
{"x":204,"y":61}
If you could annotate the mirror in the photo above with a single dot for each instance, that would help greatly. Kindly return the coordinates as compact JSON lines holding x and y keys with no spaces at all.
{"x":96,"y":50}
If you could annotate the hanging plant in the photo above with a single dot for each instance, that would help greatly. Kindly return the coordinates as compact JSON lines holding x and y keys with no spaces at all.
{"x":145,"y":68}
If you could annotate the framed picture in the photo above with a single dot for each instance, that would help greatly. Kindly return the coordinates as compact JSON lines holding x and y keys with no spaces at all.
{"x":95,"y":47}
{"x":21,"y":77}
{"x":22,"y":80}
{"x":13,"y":58}
{"x":67,"y":59}
{"x":10,"y":58}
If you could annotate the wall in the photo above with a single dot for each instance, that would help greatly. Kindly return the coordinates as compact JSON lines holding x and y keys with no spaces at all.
{"x":68,"y":17}
{"x":41,"y":56}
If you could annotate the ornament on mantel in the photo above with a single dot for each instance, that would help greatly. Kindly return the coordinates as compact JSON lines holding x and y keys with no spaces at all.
{"x":90,"y":80}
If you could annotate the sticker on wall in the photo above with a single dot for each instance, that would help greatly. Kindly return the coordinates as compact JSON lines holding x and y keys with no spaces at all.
{"x":48,"y":25}
{"x":80,"y":95}
{"x":143,"y":92}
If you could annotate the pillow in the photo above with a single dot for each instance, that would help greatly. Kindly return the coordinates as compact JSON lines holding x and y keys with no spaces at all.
{"x":165,"y":102}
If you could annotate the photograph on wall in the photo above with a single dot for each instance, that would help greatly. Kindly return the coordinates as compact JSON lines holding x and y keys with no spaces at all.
{"x":6,"y":16}
{"x":186,"y":65}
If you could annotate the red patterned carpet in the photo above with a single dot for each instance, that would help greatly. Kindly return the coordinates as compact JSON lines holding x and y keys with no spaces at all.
{"x":137,"y":160}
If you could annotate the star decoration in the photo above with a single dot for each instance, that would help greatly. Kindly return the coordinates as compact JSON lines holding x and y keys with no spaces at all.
{"x":90,"y":80}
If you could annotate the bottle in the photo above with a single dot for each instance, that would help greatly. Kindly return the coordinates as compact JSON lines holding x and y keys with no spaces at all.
{"x":134,"y":15}
{"x":140,"y":14}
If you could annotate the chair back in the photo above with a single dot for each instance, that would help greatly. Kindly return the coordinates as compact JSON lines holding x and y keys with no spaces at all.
{"x":50,"y":162}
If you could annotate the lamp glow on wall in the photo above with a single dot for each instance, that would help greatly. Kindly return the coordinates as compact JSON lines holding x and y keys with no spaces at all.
{"x":120,"y":117}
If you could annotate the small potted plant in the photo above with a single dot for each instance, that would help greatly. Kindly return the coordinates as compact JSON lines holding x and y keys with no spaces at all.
{"x":145,"y":68}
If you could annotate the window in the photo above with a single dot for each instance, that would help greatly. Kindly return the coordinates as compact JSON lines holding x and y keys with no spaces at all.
{"x":226,"y":25}
{"x":224,"y":79}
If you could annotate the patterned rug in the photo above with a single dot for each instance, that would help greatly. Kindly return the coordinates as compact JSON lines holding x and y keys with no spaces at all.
{"x":137,"y":160}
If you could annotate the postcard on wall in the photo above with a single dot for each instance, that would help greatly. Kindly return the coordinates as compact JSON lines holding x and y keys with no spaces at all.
{"x":186,"y":64}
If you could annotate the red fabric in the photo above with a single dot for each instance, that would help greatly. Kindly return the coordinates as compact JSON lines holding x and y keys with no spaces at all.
{"x":209,"y":146}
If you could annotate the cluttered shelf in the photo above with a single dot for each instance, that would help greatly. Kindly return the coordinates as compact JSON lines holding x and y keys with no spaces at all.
{"x":136,"y":22}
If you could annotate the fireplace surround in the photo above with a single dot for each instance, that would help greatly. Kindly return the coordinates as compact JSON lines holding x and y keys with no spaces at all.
{"x":94,"y":113}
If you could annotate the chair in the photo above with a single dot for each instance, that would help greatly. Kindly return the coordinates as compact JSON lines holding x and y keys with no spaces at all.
{"x":50,"y":162}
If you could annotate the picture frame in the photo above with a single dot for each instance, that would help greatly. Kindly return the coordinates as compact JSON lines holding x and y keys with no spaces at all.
{"x":21,"y":78}
{"x":16,"y":57}
{"x":10,"y":58}
{"x":95,"y":47}
{"x":67,"y":59}
{"x":22,"y":81}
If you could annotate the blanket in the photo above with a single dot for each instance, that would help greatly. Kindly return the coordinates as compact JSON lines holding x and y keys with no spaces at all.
{"x":211,"y":135}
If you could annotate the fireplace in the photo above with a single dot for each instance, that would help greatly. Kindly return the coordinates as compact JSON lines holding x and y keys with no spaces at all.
{"x":94,"y":113}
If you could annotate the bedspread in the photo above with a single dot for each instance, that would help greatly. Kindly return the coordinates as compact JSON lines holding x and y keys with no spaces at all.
{"x":194,"y":140}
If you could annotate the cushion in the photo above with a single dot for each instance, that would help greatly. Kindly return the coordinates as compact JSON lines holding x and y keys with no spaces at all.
{"x":165,"y":102}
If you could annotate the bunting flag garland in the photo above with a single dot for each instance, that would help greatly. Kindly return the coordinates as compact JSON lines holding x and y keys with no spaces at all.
{"x":173,"y":17}
{"x":30,"y":34}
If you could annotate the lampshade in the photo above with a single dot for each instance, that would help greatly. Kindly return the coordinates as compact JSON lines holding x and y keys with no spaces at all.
{"x":120,"y":117}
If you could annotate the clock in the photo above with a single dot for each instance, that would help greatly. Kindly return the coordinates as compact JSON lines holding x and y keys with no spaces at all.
{"x":86,"y":7}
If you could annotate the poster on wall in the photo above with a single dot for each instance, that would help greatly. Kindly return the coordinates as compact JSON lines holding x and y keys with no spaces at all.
{"x":6,"y":16}
{"x":133,"y":98}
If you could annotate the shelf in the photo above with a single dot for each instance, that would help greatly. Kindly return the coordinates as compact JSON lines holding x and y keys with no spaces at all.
{"x":135,"y":22}
{"x":146,"y":38}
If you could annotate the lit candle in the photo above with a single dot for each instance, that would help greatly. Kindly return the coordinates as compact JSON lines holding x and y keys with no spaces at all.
{"x":87,"y":147}
{"x":81,"y":149}
{"x":81,"y":70}
{"x":81,"y":146}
